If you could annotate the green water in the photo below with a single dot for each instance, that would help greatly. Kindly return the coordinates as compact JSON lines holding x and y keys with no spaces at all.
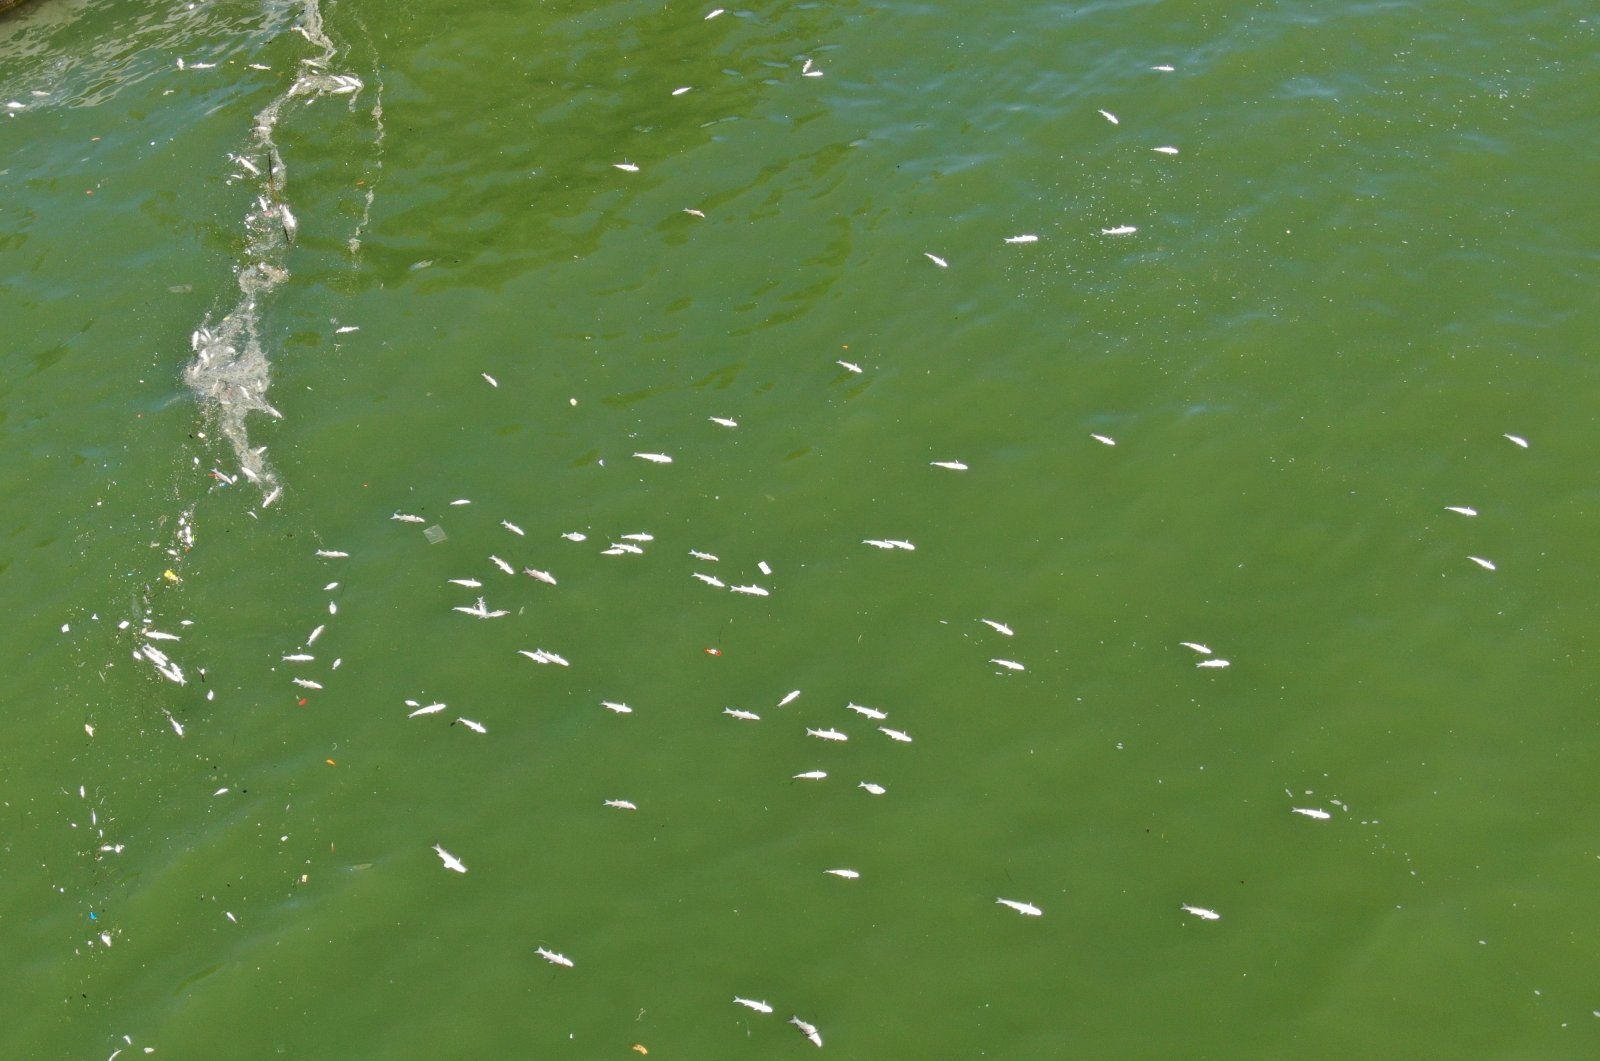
{"x":1372,"y":257}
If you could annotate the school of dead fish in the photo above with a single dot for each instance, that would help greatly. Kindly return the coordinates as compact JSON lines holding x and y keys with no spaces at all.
{"x":633,"y":544}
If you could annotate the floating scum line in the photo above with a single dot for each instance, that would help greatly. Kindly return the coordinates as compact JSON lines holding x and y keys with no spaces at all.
{"x":231,"y":369}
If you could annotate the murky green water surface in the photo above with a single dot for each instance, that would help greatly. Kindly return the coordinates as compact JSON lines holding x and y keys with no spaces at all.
{"x":1369,"y":260}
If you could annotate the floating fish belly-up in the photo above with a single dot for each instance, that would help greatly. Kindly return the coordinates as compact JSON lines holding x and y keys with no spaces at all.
{"x":539,"y":655}
{"x":847,"y":874}
{"x":895,"y":734}
{"x":747,"y":716}
{"x":450,"y":861}
{"x":808,"y":1029}
{"x":827,"y":734}
{"x":1202,"y":913}
{"x":1008,"y":664}
{"x":750,"y":1003}
{"x":553,"y":958}
{"x":654,"y":458}
{"x":1026,"y":909}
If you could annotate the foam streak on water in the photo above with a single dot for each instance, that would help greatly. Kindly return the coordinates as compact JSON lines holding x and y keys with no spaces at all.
{"x":231,"y":370}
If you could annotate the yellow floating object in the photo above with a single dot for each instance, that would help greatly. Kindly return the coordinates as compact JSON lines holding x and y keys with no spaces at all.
{"x":171,"y":575}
